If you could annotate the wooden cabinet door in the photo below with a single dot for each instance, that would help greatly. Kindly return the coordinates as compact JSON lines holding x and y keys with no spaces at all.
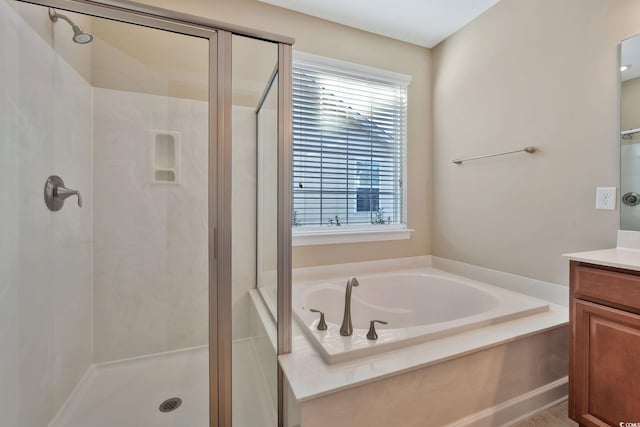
{"x":605,"y":372}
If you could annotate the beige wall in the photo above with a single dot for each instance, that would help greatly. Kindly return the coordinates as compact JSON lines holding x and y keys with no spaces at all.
{"x":541,"y":73}
{"x":337,"y":41}
{"x":146,"y":60}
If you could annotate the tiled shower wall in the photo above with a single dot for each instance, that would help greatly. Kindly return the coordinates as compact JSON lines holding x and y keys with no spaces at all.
{"x":151,"y":239}
{"x":45,"y":257}
{"x":150,"y":251}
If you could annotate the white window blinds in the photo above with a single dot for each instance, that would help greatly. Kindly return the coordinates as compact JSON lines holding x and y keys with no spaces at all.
{"x":349,"y":144}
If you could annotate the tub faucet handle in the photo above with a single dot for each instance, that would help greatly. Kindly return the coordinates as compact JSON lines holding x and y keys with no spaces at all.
{"x":372,"y":335}
{"x":322,"y":325}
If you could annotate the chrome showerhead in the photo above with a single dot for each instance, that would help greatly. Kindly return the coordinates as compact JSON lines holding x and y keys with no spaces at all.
{"x":80,"y":36}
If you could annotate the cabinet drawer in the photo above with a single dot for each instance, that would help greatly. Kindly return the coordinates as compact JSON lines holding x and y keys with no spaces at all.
{"x":620,"y":289}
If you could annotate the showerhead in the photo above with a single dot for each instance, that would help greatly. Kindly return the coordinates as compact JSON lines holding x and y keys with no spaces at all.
{"x":80,"y":36}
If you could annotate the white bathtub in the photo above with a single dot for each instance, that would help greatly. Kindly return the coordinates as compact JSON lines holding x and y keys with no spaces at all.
{"x":419,"y":305}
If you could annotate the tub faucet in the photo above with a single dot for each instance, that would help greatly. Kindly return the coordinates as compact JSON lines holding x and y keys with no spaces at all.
{"x":346,"y":329}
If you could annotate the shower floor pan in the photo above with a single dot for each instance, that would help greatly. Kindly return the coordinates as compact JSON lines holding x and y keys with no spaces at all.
{"x":129,"y":393}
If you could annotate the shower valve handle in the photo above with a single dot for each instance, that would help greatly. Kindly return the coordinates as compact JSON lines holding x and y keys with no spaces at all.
{"x":63,"y":193}
{"x":55,"y":193}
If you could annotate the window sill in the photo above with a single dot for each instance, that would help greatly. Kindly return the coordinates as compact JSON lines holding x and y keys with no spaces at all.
{"x":349,"y":235}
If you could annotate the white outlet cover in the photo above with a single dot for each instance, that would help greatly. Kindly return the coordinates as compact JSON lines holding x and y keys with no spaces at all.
{"x":606,"y":198}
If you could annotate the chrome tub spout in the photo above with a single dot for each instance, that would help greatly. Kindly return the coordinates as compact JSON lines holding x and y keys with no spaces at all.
{"x":346,"y":329}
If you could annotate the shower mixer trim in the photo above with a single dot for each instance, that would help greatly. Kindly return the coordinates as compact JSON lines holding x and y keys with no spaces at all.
{"x":55,"y":193}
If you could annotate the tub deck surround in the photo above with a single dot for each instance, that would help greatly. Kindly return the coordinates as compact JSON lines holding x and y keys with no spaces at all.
{"x":311,"y":377}
{"x":628,"y":259}
{"x":419,"y":305}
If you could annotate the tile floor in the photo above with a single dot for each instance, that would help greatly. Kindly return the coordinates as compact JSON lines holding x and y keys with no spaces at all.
{"x":552,"y":417}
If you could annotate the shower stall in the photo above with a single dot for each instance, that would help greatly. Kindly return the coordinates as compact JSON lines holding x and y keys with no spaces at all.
{"x":145,"y":249}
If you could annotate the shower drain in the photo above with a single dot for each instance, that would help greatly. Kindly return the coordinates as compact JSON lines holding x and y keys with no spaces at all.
{"x":170,"y":404}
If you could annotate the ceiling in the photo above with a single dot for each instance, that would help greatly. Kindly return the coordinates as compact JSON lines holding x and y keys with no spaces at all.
{"x":422,"y":22}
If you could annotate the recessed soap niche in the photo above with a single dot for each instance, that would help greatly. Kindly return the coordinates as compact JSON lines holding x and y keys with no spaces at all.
{"x":165,"y":157}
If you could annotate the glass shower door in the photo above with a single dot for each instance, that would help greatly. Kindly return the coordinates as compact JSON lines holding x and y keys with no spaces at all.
{"x":254,"y":348}
{"x":151,"y":206}
{"x":139,"y":217}
{"x":104,"y":271}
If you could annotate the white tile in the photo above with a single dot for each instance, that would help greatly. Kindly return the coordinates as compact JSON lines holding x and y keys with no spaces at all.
{"x":151,"y":240}
{"x":45,"y":257}
{"x":12,"y":386}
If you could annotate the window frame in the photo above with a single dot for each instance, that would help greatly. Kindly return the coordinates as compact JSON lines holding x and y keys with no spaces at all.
{"x":352,"y":233}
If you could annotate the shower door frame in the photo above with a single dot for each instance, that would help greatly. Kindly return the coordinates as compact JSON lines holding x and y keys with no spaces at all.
{"x":219,"y":35}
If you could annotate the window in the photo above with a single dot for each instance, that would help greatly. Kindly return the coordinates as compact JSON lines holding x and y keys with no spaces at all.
{"x":368,"y":197}
{"x":349,"y":146}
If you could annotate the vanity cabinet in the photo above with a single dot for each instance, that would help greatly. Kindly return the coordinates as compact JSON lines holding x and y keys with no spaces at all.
{"x":604,"y":377}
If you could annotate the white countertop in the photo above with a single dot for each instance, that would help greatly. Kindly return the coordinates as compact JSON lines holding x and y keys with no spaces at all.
{"x":615,"y":257}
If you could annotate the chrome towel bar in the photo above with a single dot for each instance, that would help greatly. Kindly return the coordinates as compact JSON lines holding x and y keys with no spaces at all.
{"x":628,"y":134}
{"x":524,"y":150}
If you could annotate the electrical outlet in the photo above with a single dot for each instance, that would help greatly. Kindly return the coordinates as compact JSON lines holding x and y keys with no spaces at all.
{"x":606,"y":198}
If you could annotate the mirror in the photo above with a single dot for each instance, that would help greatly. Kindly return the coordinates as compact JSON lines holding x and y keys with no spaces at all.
{"x":630,"y":134}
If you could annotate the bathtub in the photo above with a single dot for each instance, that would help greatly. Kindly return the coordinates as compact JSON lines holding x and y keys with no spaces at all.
{"x":419,"y":305}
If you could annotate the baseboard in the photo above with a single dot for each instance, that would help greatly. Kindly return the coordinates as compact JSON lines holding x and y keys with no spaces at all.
{"x":519,"y":408}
